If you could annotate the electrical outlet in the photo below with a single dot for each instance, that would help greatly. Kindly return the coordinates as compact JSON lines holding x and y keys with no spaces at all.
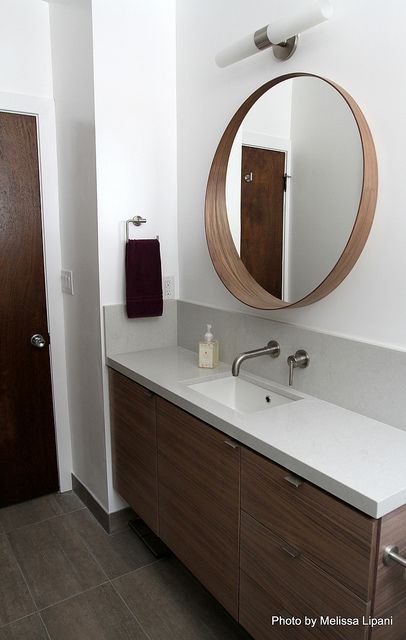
{"x":169,"y":287}
{"x":67,"y":281}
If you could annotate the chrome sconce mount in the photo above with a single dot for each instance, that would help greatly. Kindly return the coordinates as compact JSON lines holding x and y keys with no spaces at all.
{"x":282,"y":50}
{"x":281,"y":35}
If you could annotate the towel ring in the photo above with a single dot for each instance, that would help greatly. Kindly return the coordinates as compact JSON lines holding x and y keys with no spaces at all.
{"x":137,"y":221}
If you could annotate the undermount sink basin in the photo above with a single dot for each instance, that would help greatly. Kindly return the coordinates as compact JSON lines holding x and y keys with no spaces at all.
{"x":242,"y":395}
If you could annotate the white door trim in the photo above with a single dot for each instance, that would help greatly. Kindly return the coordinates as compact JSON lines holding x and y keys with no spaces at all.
{"x":44,"y":110}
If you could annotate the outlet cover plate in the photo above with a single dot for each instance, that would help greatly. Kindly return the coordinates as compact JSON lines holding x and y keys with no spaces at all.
{"x":169,"y":287}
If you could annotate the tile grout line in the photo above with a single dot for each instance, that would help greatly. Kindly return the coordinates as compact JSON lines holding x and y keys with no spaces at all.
{"x":130,"y":610}
{"x":45,"y":626}
{"x":38,"y":611}
{"x":127,"y":573}
{"x":110,"y":581}
{"x":75,"y":595}
{"x":32,"y":524}
{"x":23,"y":577}
{"x":87,"y":545}
{"x":37,"y":608}
{"x":54,"y":604}
{"x":28,"y":615}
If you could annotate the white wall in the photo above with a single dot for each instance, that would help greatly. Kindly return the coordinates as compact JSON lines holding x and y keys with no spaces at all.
{"x":327,"y":165}
{"x":72,"y":61}
{"x":135,"y":108}
{"x":135,"y":99}
{"x":209,"y":96}
{"x":25,"y":48}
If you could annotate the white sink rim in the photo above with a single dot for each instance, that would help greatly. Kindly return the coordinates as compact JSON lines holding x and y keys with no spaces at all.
{"x":243,"y":394}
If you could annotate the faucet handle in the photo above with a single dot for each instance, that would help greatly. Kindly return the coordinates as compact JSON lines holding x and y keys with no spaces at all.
{"x":300,"y":359}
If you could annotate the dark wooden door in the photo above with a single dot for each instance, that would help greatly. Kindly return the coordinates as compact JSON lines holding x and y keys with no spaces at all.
{"x":262,"y":197}
{"x":28,"y":465}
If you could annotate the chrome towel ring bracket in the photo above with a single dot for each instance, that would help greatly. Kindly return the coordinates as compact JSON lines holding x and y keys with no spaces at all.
{"x":136,"y":221}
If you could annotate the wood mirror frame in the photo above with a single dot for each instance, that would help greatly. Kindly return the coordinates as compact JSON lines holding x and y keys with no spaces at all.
{"x":223,"y":252}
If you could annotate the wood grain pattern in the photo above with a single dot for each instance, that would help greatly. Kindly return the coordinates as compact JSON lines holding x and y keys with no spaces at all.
{"x":28,"y":462}
{"x":224,"y":255}
{"x":199,"y":505}
{"x":390,"y":583}
{"x":134,"y":446}
{"x":257,"y":607}
{"x":300,"y":586}
{"x":395,"y":624}
{"x":262,"y":201}
{"x":338,"y":538}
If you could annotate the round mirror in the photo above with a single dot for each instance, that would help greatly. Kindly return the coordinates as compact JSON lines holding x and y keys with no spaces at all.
{"x":291,"y":193}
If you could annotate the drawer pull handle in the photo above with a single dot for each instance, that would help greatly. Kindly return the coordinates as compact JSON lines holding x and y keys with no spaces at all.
{"x":391,"y":555}
{"x":148,"y":393}
{"x":293,"y":553}
{"x":231,"y":444}
{"x":295,"y":480}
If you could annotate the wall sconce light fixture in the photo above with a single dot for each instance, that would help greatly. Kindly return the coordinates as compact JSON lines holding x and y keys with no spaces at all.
{"x":281,"y":35}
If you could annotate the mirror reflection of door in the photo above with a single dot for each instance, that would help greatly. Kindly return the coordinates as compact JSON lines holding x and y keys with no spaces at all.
{"x":308,"y":121}
{"x":262,"y":203}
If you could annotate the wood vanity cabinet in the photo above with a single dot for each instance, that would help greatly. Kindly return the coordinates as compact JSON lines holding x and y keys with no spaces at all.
{"x":134,"y":446}
{"x":199,"y":483}
{"x":310,"y":552}
{"x":304,"y":552}
{"x":199,"y":500}
{"x":261,"y":540}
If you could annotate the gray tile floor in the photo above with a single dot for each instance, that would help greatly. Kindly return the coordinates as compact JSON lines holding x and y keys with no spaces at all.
{"x":62,"y":577}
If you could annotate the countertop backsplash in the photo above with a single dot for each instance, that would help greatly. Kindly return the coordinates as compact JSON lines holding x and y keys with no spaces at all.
{"x":362,"y":377}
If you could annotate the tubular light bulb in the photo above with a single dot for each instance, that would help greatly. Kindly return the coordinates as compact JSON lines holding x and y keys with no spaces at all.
{"x":307,"y":16}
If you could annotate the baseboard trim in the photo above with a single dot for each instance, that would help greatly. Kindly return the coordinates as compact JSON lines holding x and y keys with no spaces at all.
{"x":111,"y":522}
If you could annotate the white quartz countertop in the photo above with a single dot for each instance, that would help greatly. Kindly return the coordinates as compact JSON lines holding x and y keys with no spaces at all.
{"x":357,"y":459}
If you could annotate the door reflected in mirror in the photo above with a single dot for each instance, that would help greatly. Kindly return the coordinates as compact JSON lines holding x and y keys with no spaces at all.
{"x":293,"y":186}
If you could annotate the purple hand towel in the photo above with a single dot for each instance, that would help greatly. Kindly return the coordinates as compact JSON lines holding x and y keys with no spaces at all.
{"x":143,"y":278}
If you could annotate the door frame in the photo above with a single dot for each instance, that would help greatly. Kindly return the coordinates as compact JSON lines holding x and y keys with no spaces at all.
{"x":44,"y":111}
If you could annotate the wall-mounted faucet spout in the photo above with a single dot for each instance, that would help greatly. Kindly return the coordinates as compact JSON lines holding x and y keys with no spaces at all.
{"x":272,"y":349}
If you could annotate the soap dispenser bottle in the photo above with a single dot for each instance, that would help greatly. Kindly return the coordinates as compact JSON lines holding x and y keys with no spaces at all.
{"x":208,"y":350}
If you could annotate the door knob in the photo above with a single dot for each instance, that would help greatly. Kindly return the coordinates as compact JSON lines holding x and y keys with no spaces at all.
{"x":37,"y":340}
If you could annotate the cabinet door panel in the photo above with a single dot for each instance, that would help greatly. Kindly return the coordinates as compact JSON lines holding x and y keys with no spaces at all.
{"x":134,"y":446}
{"x":199,"y":500}
{"x":298,"y":585}
{"x":334,"y":535}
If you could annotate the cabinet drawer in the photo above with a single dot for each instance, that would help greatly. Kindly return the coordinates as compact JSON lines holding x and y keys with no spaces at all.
{"x":199,"y":500}
{"x":335,"y":536}
{"x":297,"y":585}
{"x":134,"y":446}
{"x":257,"y":607}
